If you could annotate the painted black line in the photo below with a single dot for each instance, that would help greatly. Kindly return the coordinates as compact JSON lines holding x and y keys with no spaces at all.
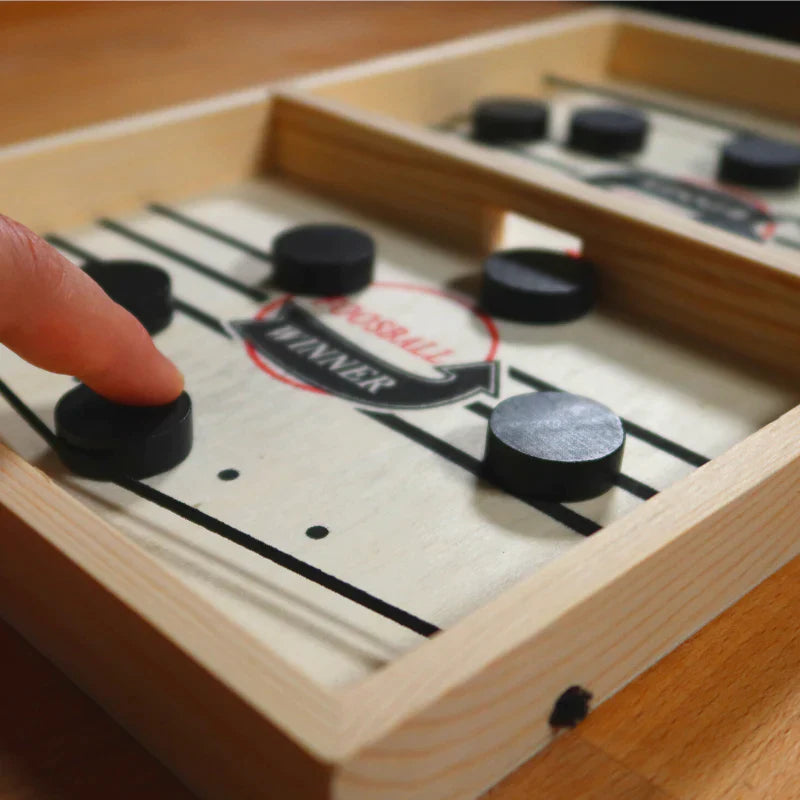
{"x":626,"y":482}
{"x":566,"y":516}
{"x":481,"y":409}
{"x":634,"y":487}
{"x":667,"y":445}
{"x":208,"y":230}
{"x":33,"y":419}
{"x":786,"y":242}
{"x":530,"y":380}
{"x":74,"y":249}
{"x":625,"y":97}
{"x":197,"y":314}
{"x":245,"y":540}
{"x":279,"y":557}
{"x":631,"y":428}
{"x":252,"y":292}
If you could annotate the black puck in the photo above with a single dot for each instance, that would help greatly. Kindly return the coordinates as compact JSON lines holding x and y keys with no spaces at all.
{"x":760,"y":162}
{"x":607,"y":131}
{"x":553,"y":446}
{"x":537,"y":286}
{"x":323,"y":259}
{"x":105,"y":440}
{"x":143,"y":289}
{"x":509,"y":119}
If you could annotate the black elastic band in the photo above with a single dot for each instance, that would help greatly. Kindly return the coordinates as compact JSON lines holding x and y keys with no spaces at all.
{"x":208,"y":230}
{"x":253,"y":292}
{"x":566,"y":516}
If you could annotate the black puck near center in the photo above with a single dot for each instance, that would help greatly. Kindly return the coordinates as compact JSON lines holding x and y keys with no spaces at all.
{"x":760,"y":162}
{"x":537,"y":286}
{"x":509,"y":119}
{"x":553,"y":446}
{"x":607,"y":132}
{"x":323,"y":259}
{"x":143,"y":289}
{"x":104,"y":440}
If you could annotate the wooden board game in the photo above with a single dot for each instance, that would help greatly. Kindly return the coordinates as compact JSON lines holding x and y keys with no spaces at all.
{"x":328,"y":588}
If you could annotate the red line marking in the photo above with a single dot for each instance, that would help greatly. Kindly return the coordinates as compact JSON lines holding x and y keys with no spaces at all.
{"x":742,"y":194}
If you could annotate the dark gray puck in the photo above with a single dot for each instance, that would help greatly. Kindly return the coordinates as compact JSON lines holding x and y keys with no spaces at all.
{"x":141,"y":288}
{"x":537,"y":286}
{"x":760,"y":162}
{"x":509,"y":119}
{"x":607,"y":132}
{"x":323,"y":260}
{"x":553,"y":446}
{"x":104,"y":440}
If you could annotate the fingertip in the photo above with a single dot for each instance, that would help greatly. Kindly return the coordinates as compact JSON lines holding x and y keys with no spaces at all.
{"x":135,"y":372}
{"x":55,"y":316}
{"x":157,"y":384}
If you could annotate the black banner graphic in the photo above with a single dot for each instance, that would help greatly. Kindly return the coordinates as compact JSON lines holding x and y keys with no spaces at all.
{"x":300,"y":344}
{"x":712,"y":206}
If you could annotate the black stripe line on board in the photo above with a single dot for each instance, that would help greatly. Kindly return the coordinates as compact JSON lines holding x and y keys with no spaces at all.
{"x":279,"y":557}
{"x":626,"y":482}
{"x":197,"y":314}
{"x":208,"y":230}
{"x":784,"y":242}
{"x":245,"y":540}
{"x":631,"y":428}
{"x":33,"y":420}
{"x":73,"y":249}
{"x":566,"y":516}
{"x":634,"y":486}
{"x":253,"y":292}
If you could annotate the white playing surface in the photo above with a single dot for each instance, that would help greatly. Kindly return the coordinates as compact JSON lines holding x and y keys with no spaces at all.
{"x":678,"y":147}
{"x":406,"y":524}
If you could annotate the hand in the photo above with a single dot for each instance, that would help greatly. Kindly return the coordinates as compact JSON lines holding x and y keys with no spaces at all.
{"x":58,"y":318}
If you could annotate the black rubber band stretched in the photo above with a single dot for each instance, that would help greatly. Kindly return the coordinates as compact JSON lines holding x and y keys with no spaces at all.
{"x":253,"y":292}
{"x":566,"y":516}
{"x":197,"y":314}
{"x":651,"y":437}
{"x":208,"y":230}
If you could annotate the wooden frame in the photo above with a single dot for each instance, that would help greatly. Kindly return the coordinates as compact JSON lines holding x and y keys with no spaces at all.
{"x":674,"y":268}
{"x":453,"y":716}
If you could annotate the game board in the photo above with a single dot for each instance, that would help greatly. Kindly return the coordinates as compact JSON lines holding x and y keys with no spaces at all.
{"x":328,"y":598}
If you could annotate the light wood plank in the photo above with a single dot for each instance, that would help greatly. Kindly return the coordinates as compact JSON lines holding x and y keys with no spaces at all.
{"x":755,"y":74}
{"x":44,"y":184}
{"x":458,"y":713}
{"x":96,"y":620}
{"x":428,"y":85}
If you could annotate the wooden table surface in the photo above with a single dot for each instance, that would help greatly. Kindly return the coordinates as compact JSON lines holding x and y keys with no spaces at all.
{"x":719,"y":718}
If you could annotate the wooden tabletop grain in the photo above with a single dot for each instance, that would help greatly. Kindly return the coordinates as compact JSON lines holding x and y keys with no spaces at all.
{"x":717,"y":719}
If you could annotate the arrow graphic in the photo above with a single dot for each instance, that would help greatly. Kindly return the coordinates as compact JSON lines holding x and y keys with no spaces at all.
{"x":303,"y":346}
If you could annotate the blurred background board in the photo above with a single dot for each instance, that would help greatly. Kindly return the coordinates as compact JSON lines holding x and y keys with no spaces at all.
{"x":71,"y":64}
